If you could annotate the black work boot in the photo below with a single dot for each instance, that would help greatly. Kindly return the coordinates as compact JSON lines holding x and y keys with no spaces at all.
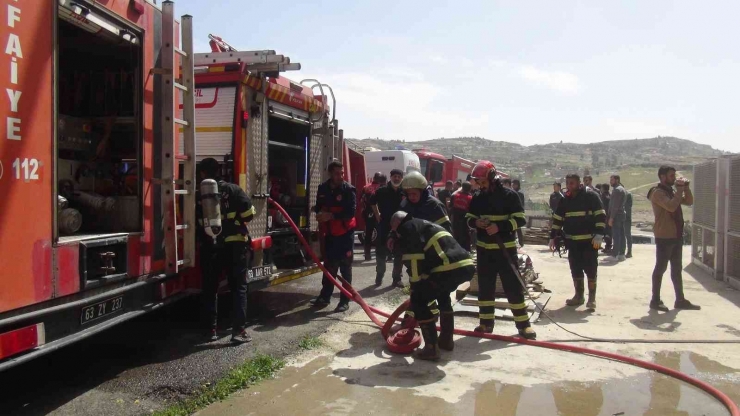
{"x":591,"y":304}
{"x":447,"y":325}
{"x":485,"y":327}
{"x":658,"y":305}
{"x":528,"y":333}
{"x":430,"y":352}
{"x":686,"y":305}
{"x":578,"y":299}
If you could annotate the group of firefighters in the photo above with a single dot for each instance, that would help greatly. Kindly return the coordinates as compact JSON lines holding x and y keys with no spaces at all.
{"x":415,"y":230}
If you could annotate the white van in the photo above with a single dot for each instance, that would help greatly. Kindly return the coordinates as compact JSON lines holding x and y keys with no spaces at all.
{"x":386,"y":160}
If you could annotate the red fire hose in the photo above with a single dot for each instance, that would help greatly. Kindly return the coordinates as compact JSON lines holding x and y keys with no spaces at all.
{"x":404,"y":339}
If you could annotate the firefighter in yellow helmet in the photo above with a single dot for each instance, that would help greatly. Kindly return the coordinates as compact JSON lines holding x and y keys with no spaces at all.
{"x":496,"y":213}
{"x":420,"y":203}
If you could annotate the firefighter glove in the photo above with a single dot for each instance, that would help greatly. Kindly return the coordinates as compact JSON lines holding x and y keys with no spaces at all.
{"x":596,"y":242}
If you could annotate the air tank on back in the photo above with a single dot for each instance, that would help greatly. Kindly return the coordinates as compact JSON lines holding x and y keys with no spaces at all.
{"x":211,"y":205}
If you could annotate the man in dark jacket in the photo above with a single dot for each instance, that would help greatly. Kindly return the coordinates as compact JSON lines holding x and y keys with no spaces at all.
{"x":556,"y":196}
{"x":582,"y":219}
{"x":420,"y":204}
{"x":368,"y":191}
{"x":385,"y":203}
{"x":336,"y":202}
{"x":605,"y":201}
{"x":496,"y":212}
{"x":230,"y":252}
{"x":517,"y":186}
{"x":436,"y":265}
{"x":444,"y":195}
{"x":617,"y":217}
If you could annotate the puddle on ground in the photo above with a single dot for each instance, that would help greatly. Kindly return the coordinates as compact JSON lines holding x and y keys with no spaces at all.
{"x":314,"y":389}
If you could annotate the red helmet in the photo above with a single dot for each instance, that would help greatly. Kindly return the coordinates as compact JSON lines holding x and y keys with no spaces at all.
{"x":484,"y":169}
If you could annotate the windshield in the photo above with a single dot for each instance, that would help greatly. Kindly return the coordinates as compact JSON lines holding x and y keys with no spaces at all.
{"x":436,"y":171}
{"x":423,"y":166}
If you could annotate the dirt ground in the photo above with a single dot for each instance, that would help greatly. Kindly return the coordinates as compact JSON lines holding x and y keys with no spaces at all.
{"x":353,"y":373}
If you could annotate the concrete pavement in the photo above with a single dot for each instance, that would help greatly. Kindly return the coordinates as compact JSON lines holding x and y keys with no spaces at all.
{"x":354,"y":373}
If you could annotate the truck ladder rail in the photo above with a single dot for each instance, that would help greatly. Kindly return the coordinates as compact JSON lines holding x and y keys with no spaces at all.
{"x":174,"y":188}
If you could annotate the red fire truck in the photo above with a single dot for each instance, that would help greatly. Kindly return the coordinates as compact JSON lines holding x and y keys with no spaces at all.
{"x":97,"y":166}
{"x":438,"y":169}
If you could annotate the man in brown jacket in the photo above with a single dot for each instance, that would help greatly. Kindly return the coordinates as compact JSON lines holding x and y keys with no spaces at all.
{"x":668,"y":230}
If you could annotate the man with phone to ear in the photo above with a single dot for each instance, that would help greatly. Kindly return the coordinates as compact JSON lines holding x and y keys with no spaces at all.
{"x":668,"y":230}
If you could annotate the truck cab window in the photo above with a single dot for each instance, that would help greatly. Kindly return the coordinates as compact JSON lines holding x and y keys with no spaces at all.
{"x":436,"y":170}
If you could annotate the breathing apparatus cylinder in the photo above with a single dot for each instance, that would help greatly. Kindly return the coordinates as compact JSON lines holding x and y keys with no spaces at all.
{"x":211,"y":205}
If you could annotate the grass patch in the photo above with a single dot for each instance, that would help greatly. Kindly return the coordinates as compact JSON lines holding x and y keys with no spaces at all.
{"x":310,"y":343}
{"x":242,"y":376}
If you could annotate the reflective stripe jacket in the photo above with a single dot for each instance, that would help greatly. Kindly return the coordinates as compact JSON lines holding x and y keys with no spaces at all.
{"x":236,"y":211}
{"x":428,"y":249}
{"x":580,"y":216}
{"x":428,"y":208}
{"x":502,"y":207}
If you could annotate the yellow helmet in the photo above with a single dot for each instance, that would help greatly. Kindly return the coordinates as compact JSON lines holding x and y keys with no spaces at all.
{"x":414,"y":180}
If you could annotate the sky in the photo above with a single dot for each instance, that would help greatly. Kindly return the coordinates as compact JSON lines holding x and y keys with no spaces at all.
{"x":528,"y":72}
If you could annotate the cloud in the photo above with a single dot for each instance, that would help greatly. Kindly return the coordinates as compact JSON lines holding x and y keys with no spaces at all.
{"x":438,"y":59}
{"x":558,"y":81}
{"x":399,"y":103}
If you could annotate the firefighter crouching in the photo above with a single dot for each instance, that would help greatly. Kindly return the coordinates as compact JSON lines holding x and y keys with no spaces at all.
{"x":336,"y":203}
{"x":581,"y":217}
{"x":420,"y":203}
{"x":436,"y":265}
{"x":496,"y":213}
{"x":229,"y":251}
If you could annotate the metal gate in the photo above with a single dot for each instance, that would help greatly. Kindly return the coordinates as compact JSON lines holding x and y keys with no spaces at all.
{"x":704,"y":226}
{"x":716,"y":225}
{"x":732,"y":243}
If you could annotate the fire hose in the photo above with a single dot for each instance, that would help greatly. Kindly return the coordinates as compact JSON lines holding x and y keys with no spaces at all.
{"x":406,"y":338}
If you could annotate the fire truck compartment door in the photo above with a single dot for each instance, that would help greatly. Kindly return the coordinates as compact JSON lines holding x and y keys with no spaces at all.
{"x":214,"y":122}
{"x":288,"y":113}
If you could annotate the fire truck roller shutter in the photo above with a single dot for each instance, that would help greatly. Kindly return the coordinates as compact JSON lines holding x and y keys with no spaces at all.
{"x":288,"y":113}
{"x":214,"y":122}
{"x":257,"y":165}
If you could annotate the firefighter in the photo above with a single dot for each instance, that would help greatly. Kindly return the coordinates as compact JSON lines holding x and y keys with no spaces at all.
{"x":368,"y":191}
{"x":230,"y":252}
{"x":335,"y":206}
{"x":496,"y":213}
{"x":436,"y":265}
{"x":420,"y":204}
{"x":385,"y":203}
{"x":460,"y":206}
{"x":581,"y":217}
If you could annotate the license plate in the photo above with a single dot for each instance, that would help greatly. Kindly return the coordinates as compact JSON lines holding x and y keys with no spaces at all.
{"x":99,"y":310}
{"x":257,"y":273}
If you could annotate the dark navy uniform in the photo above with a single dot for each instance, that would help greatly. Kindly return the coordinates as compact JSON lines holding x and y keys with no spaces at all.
{"x":580,"y":217}
{"x":340,"y":235}
{"x":436,"y":265}
{"x":502,"y":207}
{"x":230,"y":253}
{"x":388,"y":199}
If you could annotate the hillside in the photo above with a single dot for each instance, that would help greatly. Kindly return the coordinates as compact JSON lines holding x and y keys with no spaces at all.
{"x":525,"y":160}
{"x":637,"y":161}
